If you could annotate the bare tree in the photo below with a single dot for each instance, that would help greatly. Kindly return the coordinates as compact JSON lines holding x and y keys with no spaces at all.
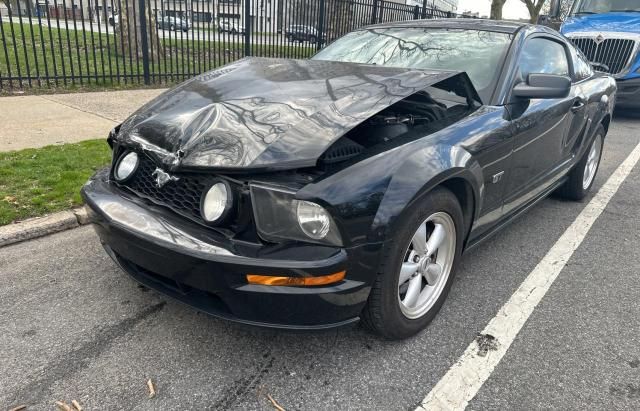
{"x":11,"y":5}
{"x":28,"y":9}
{"x":339,"y":18}
{"x":132,"y":34}
{"x":534,"y":7}
{"x":496,"y":9}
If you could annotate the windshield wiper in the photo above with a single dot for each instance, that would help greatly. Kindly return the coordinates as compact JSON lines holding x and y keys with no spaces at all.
{"x":626,"y":11}
{"x":585,"y":12}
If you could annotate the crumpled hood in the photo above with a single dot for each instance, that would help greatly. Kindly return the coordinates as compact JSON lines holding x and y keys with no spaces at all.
{"x":267,"y":113}
{"x":619,"y":21}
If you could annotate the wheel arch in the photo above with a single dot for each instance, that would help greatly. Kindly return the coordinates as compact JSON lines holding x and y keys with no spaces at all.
{"x":460,"y":181}
{"x":606,"y":121}
{"x":463,"y":190}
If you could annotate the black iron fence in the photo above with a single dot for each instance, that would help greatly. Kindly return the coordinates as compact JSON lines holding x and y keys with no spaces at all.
{"x":62,"y":43}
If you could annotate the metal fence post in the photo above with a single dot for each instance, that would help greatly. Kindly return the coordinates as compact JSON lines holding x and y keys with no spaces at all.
{"x":247,"y":27}
{"x":319,"y":41}
{"x":374,"y":12}
{"x":144,"y":42}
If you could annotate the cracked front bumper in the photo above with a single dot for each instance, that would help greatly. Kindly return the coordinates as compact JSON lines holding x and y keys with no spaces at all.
{"x":204,"y":269}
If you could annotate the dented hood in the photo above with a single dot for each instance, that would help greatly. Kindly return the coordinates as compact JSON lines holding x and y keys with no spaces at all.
{"x":267,"y":113}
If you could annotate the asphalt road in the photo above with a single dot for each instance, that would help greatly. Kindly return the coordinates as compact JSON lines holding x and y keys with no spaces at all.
{"x":72,"y":326}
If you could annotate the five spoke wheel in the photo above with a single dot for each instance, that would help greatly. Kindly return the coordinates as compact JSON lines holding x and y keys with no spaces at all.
{"x":427,"y":264}
{"x":592,"y":162}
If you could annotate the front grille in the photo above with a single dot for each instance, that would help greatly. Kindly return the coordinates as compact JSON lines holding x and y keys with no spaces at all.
{"x":615,"y":54}
{"x":182,"y":196}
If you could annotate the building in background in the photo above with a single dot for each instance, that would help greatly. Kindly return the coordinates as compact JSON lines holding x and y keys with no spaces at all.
{"x":444,"y":5}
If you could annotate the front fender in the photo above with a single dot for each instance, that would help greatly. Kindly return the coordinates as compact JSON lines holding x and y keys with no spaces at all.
{"x":419,"y":174}
{"x":367,"y":198}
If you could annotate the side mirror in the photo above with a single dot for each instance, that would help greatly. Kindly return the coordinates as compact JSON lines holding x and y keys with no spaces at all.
{"x":543,"y":86}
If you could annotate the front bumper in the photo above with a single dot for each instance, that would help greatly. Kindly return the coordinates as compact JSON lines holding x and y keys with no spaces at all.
{"x":204,"y":269}
{"x":628,"y":95}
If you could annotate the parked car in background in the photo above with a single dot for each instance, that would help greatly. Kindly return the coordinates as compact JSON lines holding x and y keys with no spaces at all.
{"x":228,"y":27}
{"x":303,"y":33}
{"x":309,"y":194}
{"x":172,"y":23}
{"x":608,"y":33}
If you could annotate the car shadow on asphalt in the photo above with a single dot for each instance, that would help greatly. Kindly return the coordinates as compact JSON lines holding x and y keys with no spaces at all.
{"x":626,"y":114}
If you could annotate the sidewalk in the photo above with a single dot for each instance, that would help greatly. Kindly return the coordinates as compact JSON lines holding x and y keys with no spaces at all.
{"x":36,"y":121}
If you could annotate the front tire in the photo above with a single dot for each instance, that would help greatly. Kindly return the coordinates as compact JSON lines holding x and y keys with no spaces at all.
{"x":582,"y":176}
{"x":417,"y":267}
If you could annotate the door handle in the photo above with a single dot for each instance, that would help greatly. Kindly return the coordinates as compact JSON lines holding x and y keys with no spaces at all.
{"x":577,"y":104}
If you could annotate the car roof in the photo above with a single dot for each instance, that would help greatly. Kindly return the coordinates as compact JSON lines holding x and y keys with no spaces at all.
{"x":470,"y":24}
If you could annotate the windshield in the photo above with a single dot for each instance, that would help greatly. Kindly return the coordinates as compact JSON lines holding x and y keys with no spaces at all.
{"x":479,"y":53}
{"x":604,"y":6}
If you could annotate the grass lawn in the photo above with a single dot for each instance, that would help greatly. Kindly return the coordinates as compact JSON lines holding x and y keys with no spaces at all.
{"x":38,"y":181}
{"x":100,"y":56}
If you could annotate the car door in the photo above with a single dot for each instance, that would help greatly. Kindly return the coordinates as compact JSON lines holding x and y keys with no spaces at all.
{"x":539,"y":125}
{"x":585,"y":105}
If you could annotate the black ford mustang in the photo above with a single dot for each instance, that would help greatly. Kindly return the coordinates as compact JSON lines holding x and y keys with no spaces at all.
{"x":309,"y":194}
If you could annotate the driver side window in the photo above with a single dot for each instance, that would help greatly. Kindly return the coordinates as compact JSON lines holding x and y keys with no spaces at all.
{"x":541,"y":55}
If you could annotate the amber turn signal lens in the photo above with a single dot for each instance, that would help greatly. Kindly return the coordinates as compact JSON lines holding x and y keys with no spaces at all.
{"x":303,"y":281}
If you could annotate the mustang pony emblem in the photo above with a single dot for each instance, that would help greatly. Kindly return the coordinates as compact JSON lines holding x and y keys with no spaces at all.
{"x":162,"y":178}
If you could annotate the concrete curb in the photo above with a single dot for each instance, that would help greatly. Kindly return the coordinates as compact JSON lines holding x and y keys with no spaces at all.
{"x":41,"y":226}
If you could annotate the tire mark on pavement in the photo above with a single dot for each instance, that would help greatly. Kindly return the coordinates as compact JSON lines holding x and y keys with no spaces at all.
{"x":242,"y":386}
{"x":40,"y":386}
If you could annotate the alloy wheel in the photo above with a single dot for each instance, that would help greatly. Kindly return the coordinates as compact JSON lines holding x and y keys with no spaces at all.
{"x":591,"y":167}
{"x":427,"y":264}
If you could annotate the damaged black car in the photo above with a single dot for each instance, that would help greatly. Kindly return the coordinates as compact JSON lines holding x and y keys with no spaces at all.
{"x":309,"y":194}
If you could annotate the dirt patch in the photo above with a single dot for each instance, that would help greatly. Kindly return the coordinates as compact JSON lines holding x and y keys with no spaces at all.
{"x":486,"y":343}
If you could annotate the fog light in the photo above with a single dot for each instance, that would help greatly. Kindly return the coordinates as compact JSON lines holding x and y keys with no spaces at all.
{"x":303,"y":281}
{"x":313,"y":220}
{"x":126,"y":166}
{"x":216,"y":202}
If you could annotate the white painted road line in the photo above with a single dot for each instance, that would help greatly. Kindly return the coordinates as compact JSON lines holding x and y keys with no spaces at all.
{"x":465,"y":378}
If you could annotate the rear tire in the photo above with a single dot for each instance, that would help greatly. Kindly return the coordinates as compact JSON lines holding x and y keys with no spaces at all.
{"x":388,"y":311}
{"x":582,"y":176}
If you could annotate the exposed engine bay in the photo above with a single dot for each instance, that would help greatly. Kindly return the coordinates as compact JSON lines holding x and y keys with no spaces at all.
{"x":420,"y":112}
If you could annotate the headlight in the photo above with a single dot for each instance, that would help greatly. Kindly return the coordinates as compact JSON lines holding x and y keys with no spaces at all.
{"x":216,"y":202}
{"x":280,"y":216}
{"x":126,"y":166}
{"x":313,"y":220}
